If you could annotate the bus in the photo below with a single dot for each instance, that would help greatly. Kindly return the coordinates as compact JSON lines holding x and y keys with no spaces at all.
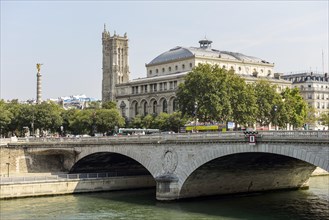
{"x":137,"y":131}
{"x":204,"y":128}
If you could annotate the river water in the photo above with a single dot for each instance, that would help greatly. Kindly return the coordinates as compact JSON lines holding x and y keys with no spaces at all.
{"x":141,"y":204}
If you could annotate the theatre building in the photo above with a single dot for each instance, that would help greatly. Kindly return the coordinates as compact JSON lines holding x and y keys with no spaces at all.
{"x":156,"y":92}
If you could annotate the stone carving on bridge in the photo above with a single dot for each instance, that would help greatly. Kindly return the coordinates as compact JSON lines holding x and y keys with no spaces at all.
{"x":169,"y":160}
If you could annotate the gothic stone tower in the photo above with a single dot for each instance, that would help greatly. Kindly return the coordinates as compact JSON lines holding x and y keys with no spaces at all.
{"x":115,"y":63}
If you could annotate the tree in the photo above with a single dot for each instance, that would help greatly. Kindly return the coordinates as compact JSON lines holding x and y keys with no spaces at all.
{"x":107,"y":119}
{"x":324,"y":118}
{"x":109,"y":105}
{"x":243,"y":102}
{"x":148,"y":121}
{"x":5,"y":119}
{"x":162,"y":121}
{"x":47,"y":116}
{"x":67,"y":117}
{"x":267,"y":100}
{"x":136,"y":122}
{"x":206,"y":93}
{"x":296,"y":107}
{"x":82,"y":122}
{"x":176,"y":121}
{"x":21,"y":115}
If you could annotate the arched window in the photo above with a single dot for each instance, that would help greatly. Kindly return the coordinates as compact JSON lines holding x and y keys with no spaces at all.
{"x":136,"y":108}
{"x":176,"y":67}
{"x":150,"y":71}
{"x":191,"y":65}
{"x":175,"y":105}
{"x":154,"y":107}
{"x":164,"y":106}
{"x":145,"y":108}
{"x":163,"y":69}
{"x":156,"y":71}
{"x":183,"y":66}
{"x":169,"y":69}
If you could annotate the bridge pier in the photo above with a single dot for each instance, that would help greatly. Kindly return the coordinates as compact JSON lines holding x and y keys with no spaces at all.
{"x":167,"y":187}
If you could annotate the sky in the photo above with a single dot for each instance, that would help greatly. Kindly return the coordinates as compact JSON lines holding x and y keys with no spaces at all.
{"x":65,"y":36}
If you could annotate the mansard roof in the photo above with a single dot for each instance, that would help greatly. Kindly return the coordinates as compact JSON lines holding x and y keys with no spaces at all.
{"x":178,"y":53}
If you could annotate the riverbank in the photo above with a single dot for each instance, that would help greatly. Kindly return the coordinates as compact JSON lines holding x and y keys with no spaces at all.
{"x":32,"y":185}
{"x":60,"y":187}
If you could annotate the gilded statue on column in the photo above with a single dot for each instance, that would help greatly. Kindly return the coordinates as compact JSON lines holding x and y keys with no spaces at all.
{"x":39,"y":67}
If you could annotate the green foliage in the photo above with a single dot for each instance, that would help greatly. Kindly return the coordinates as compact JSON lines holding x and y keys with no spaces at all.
{"x":324,"y":118}
{"x":176,"y":121}
{"x":208,"y":89}
{"x":148,"y":121}
{"x":136,"y":122}
{"x":5,"y":119}
{"x":94,"y":105}
{"x":109,"y":105}
{"x":243,"y":102}
{"x":47,"y":116}
{"x":107,"y":119}
{"x":295,"y":106}
{"x":266,"y":100}
{"x":162,"y":121}
{"x":81,"y":122}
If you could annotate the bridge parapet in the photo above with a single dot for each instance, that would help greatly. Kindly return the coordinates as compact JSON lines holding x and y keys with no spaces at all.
{"x":280,"y":136}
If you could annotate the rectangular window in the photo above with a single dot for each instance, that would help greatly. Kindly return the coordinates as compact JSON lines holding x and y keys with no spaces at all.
{"x":175,"y":84}
{"x":170,"y":85}
{"x":133,"y":90}
{"x":160,"y":86}
{"x":155,"y":87}
{"x":145,"y":88}
{"x":165,"y":86}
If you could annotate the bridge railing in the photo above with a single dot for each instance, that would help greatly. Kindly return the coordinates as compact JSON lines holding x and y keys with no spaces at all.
{"x":180,"y":137}
{"x":65,"y":177}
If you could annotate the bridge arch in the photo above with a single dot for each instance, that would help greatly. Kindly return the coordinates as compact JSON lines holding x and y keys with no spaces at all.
{"x":109,"y":162}
{"x":123,"y":150}
{"x":292,"y":151}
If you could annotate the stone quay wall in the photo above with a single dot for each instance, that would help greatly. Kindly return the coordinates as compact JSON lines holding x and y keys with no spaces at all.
{"x":60,"y":187}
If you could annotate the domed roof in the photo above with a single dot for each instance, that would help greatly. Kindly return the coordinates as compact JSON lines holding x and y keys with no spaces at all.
{"x":202,"y":51}
{"x":173,"y":54}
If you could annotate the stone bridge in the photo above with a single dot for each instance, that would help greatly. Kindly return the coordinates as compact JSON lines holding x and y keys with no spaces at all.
{"x":183,"y":165}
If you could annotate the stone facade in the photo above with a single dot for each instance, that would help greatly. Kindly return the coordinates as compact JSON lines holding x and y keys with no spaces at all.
{"x":156,"y":92}
{"x":314,"y":88}
{"x":115,"y":63}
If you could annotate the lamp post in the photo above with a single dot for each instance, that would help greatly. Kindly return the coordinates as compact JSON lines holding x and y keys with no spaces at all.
{"x":8,"y":169}
{"x":275,"y":110}
{"x":195,"y":114}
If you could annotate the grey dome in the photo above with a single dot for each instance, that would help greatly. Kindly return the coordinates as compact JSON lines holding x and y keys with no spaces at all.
{"x":172,"y":54}
{"x":183,"y":52}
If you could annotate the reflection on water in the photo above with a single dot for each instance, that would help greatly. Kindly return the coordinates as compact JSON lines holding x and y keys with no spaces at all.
{"x":141,"y":204}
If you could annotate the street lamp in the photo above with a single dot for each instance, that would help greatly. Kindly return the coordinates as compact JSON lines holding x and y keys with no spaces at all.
{"x":275,"y":110}
{"x":195,"y":114}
